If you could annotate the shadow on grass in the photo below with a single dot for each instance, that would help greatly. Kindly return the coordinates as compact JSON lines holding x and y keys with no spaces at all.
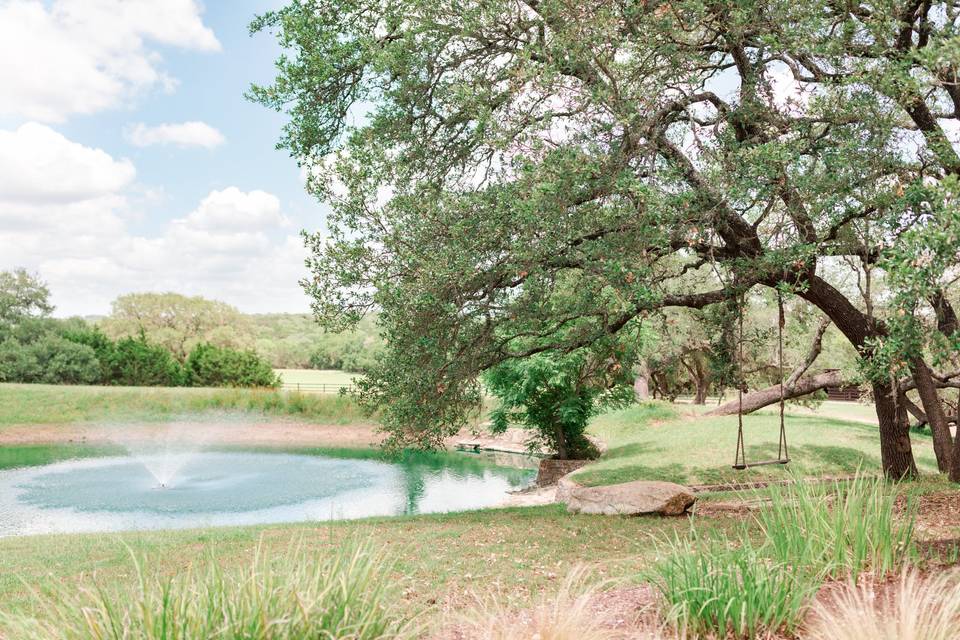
{"x":629,"y":450}
{"x":811,"y":460}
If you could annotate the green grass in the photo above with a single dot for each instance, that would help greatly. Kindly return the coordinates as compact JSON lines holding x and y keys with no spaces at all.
{"x":838,"y":529}
{"x":57,"y":404}
{"x":658,"y":441}
{"x":14,"y":456}
{"x":316,"y":376}
{"x":442,"y":559}
{"x":727,"y":591}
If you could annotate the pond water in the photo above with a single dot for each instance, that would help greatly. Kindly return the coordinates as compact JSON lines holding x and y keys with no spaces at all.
{"x":75,"y":489}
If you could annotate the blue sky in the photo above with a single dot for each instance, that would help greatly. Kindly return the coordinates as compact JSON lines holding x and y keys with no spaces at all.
{"x":108,"y":191}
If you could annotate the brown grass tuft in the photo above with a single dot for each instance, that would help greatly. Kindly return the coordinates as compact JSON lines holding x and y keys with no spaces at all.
{"x":913,"y":608}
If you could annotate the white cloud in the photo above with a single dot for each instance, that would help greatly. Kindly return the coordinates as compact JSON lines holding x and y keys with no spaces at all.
{"x":235,"y":210}
{"x":67,"y":214}
{"x":184,"y":134}
{"x":83,"y":56}
{"x":37,"y":164}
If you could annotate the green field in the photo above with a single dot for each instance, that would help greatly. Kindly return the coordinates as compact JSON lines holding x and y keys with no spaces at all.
{"x":24,"y":404}
{"x":315,"y":376}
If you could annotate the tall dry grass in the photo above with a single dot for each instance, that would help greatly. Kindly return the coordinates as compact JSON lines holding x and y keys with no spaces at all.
{"x":568,"y":615}
{"x":913,"y":608}
{"x":293,"y":595}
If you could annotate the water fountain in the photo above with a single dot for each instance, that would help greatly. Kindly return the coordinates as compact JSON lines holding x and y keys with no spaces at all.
{"x":165,"y":449}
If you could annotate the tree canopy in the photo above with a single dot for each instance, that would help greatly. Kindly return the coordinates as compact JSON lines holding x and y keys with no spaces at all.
{"x":178,"y":322}
{"x":517,"y":177}
{"x":22,"y":295}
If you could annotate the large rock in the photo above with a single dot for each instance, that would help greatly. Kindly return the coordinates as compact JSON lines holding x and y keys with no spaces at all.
{"x":627,"y":499}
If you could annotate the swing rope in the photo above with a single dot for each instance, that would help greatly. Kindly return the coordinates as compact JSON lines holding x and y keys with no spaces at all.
{"x":783,"y":456}
{"x":740,"y":461}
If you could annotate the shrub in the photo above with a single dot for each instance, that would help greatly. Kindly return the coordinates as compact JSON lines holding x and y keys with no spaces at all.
{"x":212,"y":366}
{"x":48,"y":359}
{"x":79,"y":332}
{"x":346,"y":594}
{"x":137,"y":363}
{"x":721,"y":591}
{"x":913,"y":609}
{"x":838,"y":528}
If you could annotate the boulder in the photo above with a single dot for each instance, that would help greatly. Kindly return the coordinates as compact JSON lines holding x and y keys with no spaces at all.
{"x":627,"y":499}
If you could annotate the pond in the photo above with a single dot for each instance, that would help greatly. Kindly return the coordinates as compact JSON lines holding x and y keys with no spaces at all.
{"x":67,"y":489}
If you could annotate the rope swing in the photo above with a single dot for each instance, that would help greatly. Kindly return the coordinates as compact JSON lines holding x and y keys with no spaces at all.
{"x":783,"y":456}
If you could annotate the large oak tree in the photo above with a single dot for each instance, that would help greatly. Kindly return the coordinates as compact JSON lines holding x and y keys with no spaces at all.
{"x":515,"y":176}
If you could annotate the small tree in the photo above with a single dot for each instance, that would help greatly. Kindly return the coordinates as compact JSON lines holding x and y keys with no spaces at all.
{"x":555,"y":395}
{"x":22,"y":295}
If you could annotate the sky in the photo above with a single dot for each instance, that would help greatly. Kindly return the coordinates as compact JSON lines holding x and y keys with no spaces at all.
{"x":130,"y":160}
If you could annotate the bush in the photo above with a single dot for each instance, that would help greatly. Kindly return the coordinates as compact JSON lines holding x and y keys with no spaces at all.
{"x":555,"y":395}
{"x":347,"y":594}
{"x":212,"y":366}
{"x":77,"y":331}
{"x":134,"y":362}
{"x":48,"y":359}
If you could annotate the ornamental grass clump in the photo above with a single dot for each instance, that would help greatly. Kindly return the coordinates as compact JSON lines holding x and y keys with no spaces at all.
{"x":839,"y":528}
{"x":722,"y":591}
{"x":913,"y":608}
{"x":291,"y":595}
{"x":565,"y":616}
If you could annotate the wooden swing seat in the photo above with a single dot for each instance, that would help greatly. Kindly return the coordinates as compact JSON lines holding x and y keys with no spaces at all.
{"x":762,"y":463}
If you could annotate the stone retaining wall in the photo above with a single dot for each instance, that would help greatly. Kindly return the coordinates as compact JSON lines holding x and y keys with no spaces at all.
{"x":552,"y":470}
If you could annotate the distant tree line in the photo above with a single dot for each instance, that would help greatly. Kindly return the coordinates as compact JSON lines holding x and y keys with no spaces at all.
{"x":287,"y":341}
{"x":37,"y":348}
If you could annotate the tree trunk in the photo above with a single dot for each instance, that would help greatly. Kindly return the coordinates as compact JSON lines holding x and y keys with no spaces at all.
{"x":641,"y":384}
{"x":933,"y":408}
{"x":700,"y":378}
{"x":701,"y":395}
{"x":560,"y":441}
{"x":955,"y":457}
{"x":765,"y":397}
{"x":947,"y":324}
{"x":895,"y":450}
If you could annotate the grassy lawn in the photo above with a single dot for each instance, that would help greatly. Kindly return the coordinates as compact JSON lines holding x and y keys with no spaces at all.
{"x":442,"y":560}
{"x":58,"y":404}
{"x":663,"y":442}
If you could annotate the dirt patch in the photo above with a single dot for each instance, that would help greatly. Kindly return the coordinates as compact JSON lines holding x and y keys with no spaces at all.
{"x":273,"y":433}
{"x":229,"y":431}
{"x":938,"y":515}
